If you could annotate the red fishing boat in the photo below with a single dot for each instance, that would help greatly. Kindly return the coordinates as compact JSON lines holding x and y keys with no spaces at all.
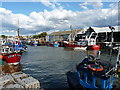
{"x":77,"y":45}
{"x":92,"y":47}
{"x":88,"y":40}
{"x":12,"y":58}
{"x":72,"y":45}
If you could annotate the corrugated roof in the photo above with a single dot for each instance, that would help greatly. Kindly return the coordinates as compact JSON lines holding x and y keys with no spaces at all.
{"x":66,"y":32}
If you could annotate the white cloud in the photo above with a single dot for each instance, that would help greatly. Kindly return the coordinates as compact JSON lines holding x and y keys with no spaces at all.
{"x":57,"y":19}
{"x":85,"y":3}
{"x":84,"y":7}
{"x":48,"y":3}
{"x":96,"y":4}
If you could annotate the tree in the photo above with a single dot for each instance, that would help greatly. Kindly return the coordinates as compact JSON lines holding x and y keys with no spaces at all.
{"x":43,"y":34}
{"x":35,"y":36}
{"x":3,"y":36}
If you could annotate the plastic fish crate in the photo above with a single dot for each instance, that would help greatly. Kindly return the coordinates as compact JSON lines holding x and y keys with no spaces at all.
{"x":4,"y":79}
{"x":29,"y":82}
{"x":19,"y":75}
{"x":14,"y":86}
{"x":25,"y":80}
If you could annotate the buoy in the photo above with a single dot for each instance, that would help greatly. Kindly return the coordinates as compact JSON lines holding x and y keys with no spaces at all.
{"x":1,"y":56}
{"x":95,"y":67}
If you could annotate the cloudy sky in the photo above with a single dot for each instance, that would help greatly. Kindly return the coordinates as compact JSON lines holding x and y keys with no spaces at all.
{"x":43,"y":15}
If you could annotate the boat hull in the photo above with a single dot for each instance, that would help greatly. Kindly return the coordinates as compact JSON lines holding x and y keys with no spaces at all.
{"x":80,"y":48}
{"x":35,"y":44}
{"x":74,"y":45}
{"x":12,"y":58}
{"x":93,"y":47}
{"x":53,"y":45}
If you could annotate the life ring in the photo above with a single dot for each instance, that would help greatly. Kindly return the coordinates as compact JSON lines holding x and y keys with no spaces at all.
{"x":95,"y":67}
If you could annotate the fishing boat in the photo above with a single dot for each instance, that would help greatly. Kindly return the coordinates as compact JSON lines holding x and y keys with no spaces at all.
{"x":94,"y":73}
{"x":35,"y":43}
{"x":82,"y":45}
{"x":53,"y":44}
{"x":56,"y":44}
{"x":86,"y":40}
{"x":11,"y":56}
{"x":19,"y":47}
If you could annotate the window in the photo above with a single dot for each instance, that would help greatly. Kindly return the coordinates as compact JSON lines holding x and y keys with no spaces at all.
{"x":94,"y":35}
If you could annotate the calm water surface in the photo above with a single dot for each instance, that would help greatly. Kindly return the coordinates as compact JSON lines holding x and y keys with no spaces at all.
{"x":49,"y":65}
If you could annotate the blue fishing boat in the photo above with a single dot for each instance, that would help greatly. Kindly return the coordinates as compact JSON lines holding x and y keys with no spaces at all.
{"x":53,"y":44}
{"x":35,"y":43}
{"x":94,"y":73}
{"x":19,"y":46}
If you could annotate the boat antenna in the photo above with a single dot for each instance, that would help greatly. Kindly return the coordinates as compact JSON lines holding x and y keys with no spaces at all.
{"x":111,"y":44}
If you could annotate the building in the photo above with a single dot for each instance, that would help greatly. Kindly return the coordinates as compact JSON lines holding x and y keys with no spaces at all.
{"x":104,"y":34}
{"x":63,"y":35}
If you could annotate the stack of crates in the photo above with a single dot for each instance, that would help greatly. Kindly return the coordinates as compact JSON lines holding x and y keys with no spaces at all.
{"x":14,"y":86}
{"x":25,"y":80}
{"x":7,"y":81}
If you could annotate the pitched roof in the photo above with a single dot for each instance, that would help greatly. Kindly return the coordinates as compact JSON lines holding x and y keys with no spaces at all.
{"x":106,"y":29}
{"x":66,"y":32}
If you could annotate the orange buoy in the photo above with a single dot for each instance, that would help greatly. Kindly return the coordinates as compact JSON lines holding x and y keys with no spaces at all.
{"x":1,"y":56}
{"x":95,"y":67}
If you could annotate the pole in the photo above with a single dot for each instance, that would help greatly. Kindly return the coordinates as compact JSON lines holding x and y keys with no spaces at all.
{"x":117,"y":61}
{"x":111,"y":44}
{"x":71,"y":33}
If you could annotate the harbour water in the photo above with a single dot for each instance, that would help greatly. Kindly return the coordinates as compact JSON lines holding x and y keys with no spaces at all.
{"x":49,"y":65}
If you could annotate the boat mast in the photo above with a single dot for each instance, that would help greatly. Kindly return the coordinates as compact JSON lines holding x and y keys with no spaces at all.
{"x":70,"y":33}
{"x":18,"y":32}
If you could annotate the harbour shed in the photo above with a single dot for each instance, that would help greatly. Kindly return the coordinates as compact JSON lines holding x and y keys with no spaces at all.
{"x":63,"y":35}
{"x":104,"y":33}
